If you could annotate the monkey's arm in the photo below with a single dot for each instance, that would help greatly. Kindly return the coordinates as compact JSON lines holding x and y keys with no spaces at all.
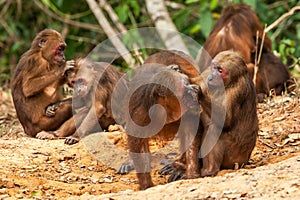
{"x":37,"y":82}
{"x":92,"y":118}
{"x":50,"y":110}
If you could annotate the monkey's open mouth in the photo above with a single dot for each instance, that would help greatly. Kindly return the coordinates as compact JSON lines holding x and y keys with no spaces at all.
{"x":80,"y":88}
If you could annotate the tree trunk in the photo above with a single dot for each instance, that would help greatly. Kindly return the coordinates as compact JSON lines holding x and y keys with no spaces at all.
{"x":165,"y":25}
{"x":110,"y":32}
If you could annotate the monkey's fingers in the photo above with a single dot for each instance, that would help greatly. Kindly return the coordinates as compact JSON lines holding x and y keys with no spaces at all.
{"x":195,"y":91}
{"x":174,"y":67}
{"x":126,"y":167}
{"x":71,"y":140}
{"x":43,"y":135}
{"x":70,"y":64}
{"x":50,"y":111}
{"x":69,"y":68}
{"x":167,"y":169}
{"x":178,"y":175}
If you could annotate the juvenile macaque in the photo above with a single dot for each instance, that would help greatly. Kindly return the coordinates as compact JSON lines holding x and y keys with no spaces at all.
{"x":37,"y":83}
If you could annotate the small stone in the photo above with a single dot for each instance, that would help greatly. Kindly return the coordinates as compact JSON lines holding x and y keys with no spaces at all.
{"x":125,"y":179}
{"x":229,"y":191}
{"x":82,"y":166}
{"x":10,"y":184}
{"x":94,"y":180}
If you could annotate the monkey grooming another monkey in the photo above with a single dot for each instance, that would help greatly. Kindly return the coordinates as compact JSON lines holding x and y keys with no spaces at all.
{"x":37,"y":83}
{"x":227,"y":144}
{"x":160,"y":107}
{"x":239,"y":131}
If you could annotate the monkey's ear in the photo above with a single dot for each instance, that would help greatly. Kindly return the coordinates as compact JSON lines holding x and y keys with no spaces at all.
{"x":42,"y":43}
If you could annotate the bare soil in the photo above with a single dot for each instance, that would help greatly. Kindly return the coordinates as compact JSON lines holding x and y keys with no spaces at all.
{"x":42,"y":169}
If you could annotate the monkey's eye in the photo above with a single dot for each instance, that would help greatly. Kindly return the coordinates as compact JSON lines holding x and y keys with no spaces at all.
{"x":220,"y":70}
{"x":61,"y":48}
{"x":217,"y":67}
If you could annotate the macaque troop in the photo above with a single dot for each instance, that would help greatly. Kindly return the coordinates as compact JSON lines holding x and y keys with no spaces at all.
{"x":208,"y":104}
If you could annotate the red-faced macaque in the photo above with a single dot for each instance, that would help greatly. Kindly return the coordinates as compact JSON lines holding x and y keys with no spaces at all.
{"x":166,"y":100}
{"x":239,"y":131}
{"x":180,"y":62}
{"x":163,"y":103}
{"x":93,"y":84}
{"x":37,"y":83}
{"x":229,"y":119}
{"x":234,"y":30}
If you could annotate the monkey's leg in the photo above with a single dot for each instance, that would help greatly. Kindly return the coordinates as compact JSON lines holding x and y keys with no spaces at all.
{"x":213,"y":160}
{"x":140,"y":154}
{"x":52,"y":123}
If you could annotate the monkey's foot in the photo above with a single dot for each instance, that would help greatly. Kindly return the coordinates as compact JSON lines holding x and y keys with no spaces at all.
{"x":44,"y":135}
{"x":175,"y":169}
{"x":210,"y":172}
{"x":71,"y":140}
{"x":171,"y":167}
{"x":179,"y":174}
{"x":126,"y":167}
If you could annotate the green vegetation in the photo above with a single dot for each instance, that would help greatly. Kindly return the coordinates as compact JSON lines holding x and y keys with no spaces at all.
{"x":21,"y":20}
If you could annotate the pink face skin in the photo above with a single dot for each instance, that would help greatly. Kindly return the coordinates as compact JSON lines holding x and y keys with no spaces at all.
{"x":219,"y":75}
{"x":84,"y":80}
{"x":80,"y":87}
{"x":59,"y":55}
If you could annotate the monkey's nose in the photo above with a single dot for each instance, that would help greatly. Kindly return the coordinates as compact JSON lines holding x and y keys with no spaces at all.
{"x":63,"y":56}
{"x":78,"y":81}
{"x":210,"y":77}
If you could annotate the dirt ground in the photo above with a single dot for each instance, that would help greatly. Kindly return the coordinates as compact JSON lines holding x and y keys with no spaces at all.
{"x":36,"y":169}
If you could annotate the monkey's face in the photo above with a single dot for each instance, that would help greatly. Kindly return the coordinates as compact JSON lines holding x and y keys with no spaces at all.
{"x":218,"y":76}
{"x":59,"y":56}
{"x":80,"y":86}
{"x":84,"y":80}
{"x":53,"y":50}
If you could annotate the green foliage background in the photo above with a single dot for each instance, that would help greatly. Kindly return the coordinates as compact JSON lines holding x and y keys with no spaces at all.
{"x":21,"y":20}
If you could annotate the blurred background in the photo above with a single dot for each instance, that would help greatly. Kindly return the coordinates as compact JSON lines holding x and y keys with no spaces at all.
{"x":21,"y":20}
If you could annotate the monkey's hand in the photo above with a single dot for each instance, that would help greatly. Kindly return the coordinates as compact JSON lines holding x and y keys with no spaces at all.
{"x":50,"y":110}
{"x":203,"y":87}
{"x":176,"y":169}
{"x":126,"y":167}
{"x":194,"y":91}
{"x":69,"y":68}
